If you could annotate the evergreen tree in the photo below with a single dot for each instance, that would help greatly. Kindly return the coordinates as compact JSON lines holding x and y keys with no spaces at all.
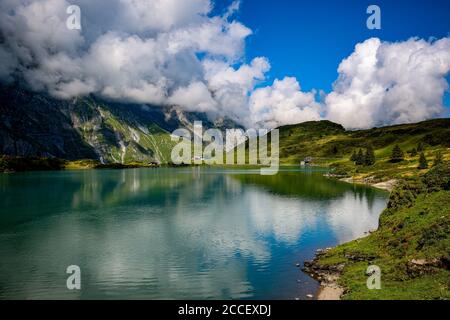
{"x":423,"y":163}
{"x":413,"y":152}
{"x":420,"y":147}
{"x":354,"y":156}
{"x":369,"y":157}
{"x":437,"y":159}
{"x":397,"y":154}
{"x":360,"y":158}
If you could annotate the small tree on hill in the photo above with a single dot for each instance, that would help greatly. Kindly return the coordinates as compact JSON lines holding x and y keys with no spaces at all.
{"x":397,"y":154}
{"x":369,"y":157}
{"x":437,"y":159}
{"x":413,"y":152}
{"x":360,"y":158}
{"x":354,"y":156}
{"x":423,"y":163}
{"x":420,"y":147}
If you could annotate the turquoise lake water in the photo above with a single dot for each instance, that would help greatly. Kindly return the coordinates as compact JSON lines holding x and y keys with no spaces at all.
{"x":191,"y":233}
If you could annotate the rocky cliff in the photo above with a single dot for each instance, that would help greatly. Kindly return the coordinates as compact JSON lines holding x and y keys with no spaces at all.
{"x":35,"y":124}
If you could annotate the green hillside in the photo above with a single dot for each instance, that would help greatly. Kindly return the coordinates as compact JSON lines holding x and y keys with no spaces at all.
{"x":329,"y":144}
{"x":411,"y":246}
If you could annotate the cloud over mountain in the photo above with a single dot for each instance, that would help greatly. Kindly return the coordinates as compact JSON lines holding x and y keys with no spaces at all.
{"x":178,"y":53}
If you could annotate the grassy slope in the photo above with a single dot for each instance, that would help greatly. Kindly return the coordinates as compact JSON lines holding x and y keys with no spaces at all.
{"x":416,"y":225}
{"x":419,"y":229}
{"x":319,"y":139}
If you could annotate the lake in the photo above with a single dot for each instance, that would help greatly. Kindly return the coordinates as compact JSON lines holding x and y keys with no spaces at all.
{"x":189,"y":233}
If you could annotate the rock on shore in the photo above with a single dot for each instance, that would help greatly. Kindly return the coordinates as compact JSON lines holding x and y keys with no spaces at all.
{"x":327,"y":276}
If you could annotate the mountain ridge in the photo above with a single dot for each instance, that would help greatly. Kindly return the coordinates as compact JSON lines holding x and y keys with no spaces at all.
{"x":37,"y":125}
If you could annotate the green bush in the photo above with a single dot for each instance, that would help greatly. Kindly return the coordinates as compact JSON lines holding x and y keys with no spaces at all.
{"x":340,"y":170}
{"x":438,"y":159}
{"x":438,"y":178}
{"x":434,"y":233}
{"x":404,"y":194}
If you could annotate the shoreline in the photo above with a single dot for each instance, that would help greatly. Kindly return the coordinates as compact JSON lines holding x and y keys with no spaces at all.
{"x":328,"y":277}
{"x":387,"y":185}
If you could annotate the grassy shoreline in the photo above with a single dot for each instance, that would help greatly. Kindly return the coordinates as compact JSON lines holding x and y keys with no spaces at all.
{"x":23,"y":164}
{"x":411,"y":247}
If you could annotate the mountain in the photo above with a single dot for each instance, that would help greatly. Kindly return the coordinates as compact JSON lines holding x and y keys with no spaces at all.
{"x":35,"y":124}
{"x":328,"y":142}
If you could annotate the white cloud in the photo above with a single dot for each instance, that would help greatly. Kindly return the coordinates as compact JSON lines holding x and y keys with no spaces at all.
{"x":283,"y":103}
{"x":175,"y":52}
{"x":231,"y":87}
{"x":195,"y":97}
{"x":385,"y":83}
{"x":142,"y":51}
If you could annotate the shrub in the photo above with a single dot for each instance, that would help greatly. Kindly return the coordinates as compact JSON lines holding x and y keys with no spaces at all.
{"x":434,"y":233}
{"x":438,"y":178}
{"x":340,"y":170}
{"x":413,"y":152}
{"x":405,"y":193}
{"x":438,"y":159}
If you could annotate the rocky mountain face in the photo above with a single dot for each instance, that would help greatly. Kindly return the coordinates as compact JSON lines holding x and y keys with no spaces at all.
{"x":35,"y":124}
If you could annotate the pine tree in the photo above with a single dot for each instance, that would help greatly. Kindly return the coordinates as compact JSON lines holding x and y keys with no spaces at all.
{"x":423,"y":163}
{"x":437,"y":159}
{"x":360,"y":158}
{"x":369,"y":157}
{"x":413,"y":152}
{"x":397,"y":154}
{"x":420,"y":147}
{"x":354,"y":156}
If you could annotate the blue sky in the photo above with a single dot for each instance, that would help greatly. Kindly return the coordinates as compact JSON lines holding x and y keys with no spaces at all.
{"x":308,"y":39}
